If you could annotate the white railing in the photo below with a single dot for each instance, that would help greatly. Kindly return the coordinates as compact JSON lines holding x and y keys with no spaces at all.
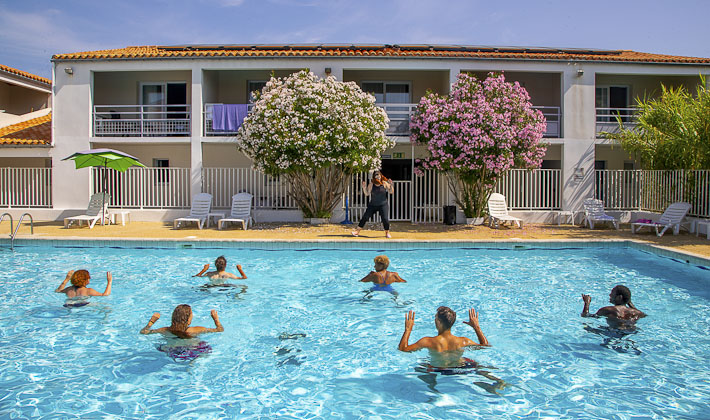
{"x":606,"y":119}
{"x":539,"y":189}
{"x":141,"y":120}
{"x":654,"y":190}
{"x":26,"y":187}
{"x":430,"y":195}
{"x":144,"y":188}
{"x":269,"y":192}
{"x":399,"y":201}
{"x":553,"y":117}
{"x":208,"y":118}
{"x":400,"y":116}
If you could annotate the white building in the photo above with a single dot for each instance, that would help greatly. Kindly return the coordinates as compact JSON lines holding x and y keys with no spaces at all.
{"x":155,"y":102}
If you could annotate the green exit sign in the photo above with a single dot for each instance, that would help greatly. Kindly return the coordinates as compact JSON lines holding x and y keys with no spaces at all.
{"x":397,"y":155}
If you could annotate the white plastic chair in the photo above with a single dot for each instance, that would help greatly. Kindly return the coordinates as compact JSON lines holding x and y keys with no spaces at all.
{"x":594,"y":212}
{"x":241,"y":211}
{"x":671,"y":218}
{"x":498,"y":211}
{"x":97,"y":203}
{"x":199,"y":210}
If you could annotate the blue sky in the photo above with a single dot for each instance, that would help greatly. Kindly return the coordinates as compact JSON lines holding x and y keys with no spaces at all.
{"x":32,"y":30}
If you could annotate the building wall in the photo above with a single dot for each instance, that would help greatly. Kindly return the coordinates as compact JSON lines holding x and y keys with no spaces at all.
{"x":544,"y":88}
{"x":25,"y":162}
{"x":19,"y":100}
{"x":123,"y":88}
{"x":420,"y":80}
{"x":223,"y":155}
{"x":642,"y":85}
{"x":614,"y":156}
{"x":230,"y":87}
{"x":178,"y":154}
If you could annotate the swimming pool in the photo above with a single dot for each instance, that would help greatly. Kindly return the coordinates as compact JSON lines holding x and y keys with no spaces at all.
{"x":304,"y":340}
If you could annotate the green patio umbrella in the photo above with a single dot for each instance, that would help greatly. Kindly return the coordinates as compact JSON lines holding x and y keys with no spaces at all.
{"x":108,"y":158}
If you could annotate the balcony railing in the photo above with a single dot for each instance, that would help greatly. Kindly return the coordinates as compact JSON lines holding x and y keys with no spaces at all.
{"x":552,"y":115}
{"x":142,"y":120}
{"x":207,"y":116}
{"x":607,"y":119}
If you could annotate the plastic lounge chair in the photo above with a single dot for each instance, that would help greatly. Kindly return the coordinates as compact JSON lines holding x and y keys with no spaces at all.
{"x":199,"y":210}
{"x":241,"y":211}
{"x":93,"y":211}
{"x":594,"y":212}
{"x":671,"y":218}
{"x":498,"y":211}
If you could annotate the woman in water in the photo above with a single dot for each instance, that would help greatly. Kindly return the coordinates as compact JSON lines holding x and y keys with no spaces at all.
{"x":378,"y":188}
{"x":381,"y":278}
{"x":183,"y":349}
{"x":78,"y":294}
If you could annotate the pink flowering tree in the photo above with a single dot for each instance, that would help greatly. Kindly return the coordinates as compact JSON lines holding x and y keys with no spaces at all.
{"x":315,"y":133}
{"x":476,"y":133}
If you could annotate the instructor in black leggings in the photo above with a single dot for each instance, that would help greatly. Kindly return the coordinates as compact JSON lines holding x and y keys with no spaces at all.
{"x":378,"y":188}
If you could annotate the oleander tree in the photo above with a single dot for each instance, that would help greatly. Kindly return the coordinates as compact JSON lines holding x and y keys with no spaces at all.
{"x":476,"y":133}
{"x":671,"y":131}
{"x":315,"y":133}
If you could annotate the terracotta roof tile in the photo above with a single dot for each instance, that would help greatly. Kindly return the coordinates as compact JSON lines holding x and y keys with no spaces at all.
{"x":196,"y":51}
{"x":25,"y":74}
{"x":37,"y":131}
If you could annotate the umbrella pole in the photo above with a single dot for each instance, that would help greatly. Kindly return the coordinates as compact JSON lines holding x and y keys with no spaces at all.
{"x":103,"y":193}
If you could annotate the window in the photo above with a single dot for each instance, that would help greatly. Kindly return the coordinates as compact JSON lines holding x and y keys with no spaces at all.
{"x":614,"y":97}
{"x":629,"y":165}
{"x":162,"y":176}
{"x":253,"y":86}
{"x":388,"y":92}
{"x":157,"y":95}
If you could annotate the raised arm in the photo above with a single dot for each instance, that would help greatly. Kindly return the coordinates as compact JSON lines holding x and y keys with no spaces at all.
{"x":109,"y":280}
{"x":239,"y":268}
{"x":404,"y":341}
{"x":205,"y":268}
{"x":366,"y":188}
{"x":389,"y":187}
{"x":153,"y":319}
{"x":60,"y":289}
{"x":587,"y":300}
{"x":473,"y":322}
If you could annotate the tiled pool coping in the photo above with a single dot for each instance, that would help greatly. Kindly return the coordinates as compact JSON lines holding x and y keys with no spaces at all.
{"x":679,"y":256}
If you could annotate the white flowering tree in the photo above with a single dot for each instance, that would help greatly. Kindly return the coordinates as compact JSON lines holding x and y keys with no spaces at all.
{"x":316,"y":133}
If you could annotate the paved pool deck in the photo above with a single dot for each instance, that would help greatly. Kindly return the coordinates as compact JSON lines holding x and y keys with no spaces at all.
{"x":401,"y":231}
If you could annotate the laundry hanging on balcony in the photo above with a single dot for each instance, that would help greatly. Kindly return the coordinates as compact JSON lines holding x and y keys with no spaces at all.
{"x":228,"y":117}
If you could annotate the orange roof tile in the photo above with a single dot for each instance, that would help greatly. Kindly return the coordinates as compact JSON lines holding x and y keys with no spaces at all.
{"x":25,"y":74}
{"x":444,"y":51}
{"x":37,"y":131}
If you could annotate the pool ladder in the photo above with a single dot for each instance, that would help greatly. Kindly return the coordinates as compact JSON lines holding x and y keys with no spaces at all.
{"x":19,"y":222}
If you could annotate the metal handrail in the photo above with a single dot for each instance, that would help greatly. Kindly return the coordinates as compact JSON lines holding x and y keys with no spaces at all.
{"x":19,"y":222}
{"x":2,"y":216}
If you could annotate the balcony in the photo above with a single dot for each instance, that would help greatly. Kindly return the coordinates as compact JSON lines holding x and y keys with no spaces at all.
{"x":142,"y":120}
{"x":607,"y":119}
{"x":399,"y":115}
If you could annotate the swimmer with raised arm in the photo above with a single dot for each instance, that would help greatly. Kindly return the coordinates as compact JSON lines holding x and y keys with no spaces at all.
{"x":623,"y":311}
{"x":446,"y":349}
{"x":78,"y":293}
{"x":180,"y":325}
{"x":221,"y":264}
{"x":381,"y":278}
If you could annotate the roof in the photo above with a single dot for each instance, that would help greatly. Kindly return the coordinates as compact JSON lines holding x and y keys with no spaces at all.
{"x":37,"y":131}
{"x":24,"y":74}
{"x":386,"y":50}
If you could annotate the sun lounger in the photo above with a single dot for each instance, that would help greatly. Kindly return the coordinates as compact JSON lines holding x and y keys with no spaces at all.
{"x":670,"y":219}
{"x":241,"y":211}
{"x":594,"y":212}
{"x":199,"y":210}
{"x":498,"y":211}
{"x":98,"y":207}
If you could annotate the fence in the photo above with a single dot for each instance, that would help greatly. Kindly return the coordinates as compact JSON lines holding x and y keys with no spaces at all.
{"x":269,"y":192}
{"x":653,"y":190}
{"x":26,"y":187}
{"x":531,"y":190}
{"x":144,"y":188}
{"x":141,"y":120}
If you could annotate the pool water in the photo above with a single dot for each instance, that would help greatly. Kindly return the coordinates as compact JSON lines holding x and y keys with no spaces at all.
{"x":304,"y":340}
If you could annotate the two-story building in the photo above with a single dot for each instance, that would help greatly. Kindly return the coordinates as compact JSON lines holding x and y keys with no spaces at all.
{"x":156,"y":103}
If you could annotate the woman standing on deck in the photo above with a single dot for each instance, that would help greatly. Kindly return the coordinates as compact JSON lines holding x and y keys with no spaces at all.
{"x":378,"y":188}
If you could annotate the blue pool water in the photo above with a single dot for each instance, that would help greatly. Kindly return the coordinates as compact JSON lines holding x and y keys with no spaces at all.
{"x":304,"y":341}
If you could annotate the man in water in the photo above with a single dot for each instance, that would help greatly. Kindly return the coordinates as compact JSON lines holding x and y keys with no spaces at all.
{"x":446,"y":349}
{"x":622,"y":314}
{"x":221,"y":264}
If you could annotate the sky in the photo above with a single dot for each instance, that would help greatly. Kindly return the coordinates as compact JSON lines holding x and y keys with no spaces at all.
{"x":31,"y":31}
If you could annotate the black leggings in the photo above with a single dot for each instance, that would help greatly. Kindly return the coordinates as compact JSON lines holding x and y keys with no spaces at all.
{"x":383,"y":209}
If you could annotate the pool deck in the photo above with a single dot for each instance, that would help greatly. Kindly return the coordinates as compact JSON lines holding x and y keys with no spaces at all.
{"x":406,"y":232}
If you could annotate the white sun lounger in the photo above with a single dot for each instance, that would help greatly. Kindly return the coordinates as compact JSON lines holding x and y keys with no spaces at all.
{"x":93,"y":211}
{"x":199,"y":210}
{"x":241,"y":211}
{"x":594,"y":212}
{"x":498,"y":211}
{"x":670,"y":219}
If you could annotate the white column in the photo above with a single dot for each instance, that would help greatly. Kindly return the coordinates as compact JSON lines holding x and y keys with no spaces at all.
{"x":579,"y":133}
{"x":196,"y":132}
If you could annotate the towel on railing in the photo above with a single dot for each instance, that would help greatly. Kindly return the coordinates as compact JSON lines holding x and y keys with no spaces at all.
{"x":643,"y":221}
{"x":228,"y":117}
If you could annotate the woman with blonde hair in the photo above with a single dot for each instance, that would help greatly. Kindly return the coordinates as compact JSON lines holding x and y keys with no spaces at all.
{"x":381,"y":278}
